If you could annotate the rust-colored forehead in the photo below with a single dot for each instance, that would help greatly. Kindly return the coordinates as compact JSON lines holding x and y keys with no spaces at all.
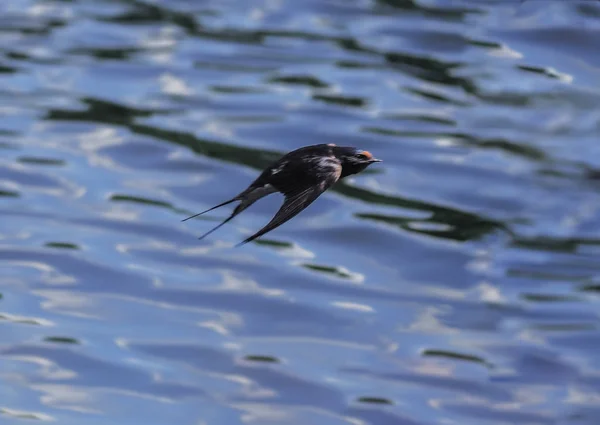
{"x":367,"y":154}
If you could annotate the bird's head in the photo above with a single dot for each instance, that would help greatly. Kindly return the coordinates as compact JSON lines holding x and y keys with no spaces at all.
{"x":353,"y":160}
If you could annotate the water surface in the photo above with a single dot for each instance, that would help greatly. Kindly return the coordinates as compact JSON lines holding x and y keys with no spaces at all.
{"x":455,"y":283}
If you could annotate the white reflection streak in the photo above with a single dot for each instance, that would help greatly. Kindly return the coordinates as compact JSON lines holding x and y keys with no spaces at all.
{"x":434,"y":368}
{"x":100,"y":138}
{"x":582,"y":397}
{"x":223,"y":326}
{"x":25,"y":320}
{"x":69,"y":303}
{"x":489,"y":293}
{"x":232,"y":283}
{"x":49,"y":370}
{"x":427,"y":322}
{"x":49,"y":274}
{"x":262,"y":413}
{"x":161,"y":44}
{"x":353,"y":306}
{"x":170,"y":84}
{"x":23,"y":414}
{"x":65,"y":397}
{"x":505,"y":52}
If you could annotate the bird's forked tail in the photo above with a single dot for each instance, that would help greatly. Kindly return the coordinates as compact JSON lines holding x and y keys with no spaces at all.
{"x":213,"y":208}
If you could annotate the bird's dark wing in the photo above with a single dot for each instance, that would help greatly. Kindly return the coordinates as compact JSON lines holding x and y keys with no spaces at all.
{"x":297,"y":198}
{"x":294,"y":165}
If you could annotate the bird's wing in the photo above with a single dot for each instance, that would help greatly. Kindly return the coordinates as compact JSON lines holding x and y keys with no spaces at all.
{"x":299,"y":196}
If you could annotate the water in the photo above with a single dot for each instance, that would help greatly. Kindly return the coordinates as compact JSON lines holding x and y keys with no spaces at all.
{"x":455,"y":283}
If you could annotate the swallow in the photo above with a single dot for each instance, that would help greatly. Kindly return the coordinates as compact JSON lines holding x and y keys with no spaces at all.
{"x":301,"y":176}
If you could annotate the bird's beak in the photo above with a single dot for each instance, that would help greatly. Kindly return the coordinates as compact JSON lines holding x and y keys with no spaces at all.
{"x":375,"y":160}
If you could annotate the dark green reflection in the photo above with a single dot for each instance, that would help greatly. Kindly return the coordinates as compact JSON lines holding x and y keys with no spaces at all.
{"x":459,"y":227}
{"x":273,"y":243}
{"x":262,"y":359}
{"x":235,"y":89}
{"x":565,"y":327}
{"x":107,"y":53}
{"x":353,"y":101}
{"x":455,"y":356}
{"x":334,"y":271}
{"x":146,"y":201}
{"x":302,"y":80}
{"x":594,"y":288}
{"x":61,"y":245}
{"x":40,"y":161}
{"x":549,"y":298}
{"x":554,"y":244}
{"x":538,"y":70}
{"x":141,"y":12}
{"x":430,"y":69}
{"x":9,"y":194}
{"x":485,"y":44}
{"x":374,"y":400}
{"x":101,"y":111}
{"x":44,"y":28}
{"x":455,"y":14}
{"x":62,"y":340}
{"x":140,"y":200}
{"x":6,"y":69}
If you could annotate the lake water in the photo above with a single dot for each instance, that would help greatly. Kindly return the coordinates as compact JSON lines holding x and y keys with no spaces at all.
{"x":457,"y":282}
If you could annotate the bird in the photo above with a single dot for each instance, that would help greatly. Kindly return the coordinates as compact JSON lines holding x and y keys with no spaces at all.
{"x":301,"y":175}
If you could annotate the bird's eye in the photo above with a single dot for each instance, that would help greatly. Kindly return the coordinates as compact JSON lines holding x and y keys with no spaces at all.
{"x":364,"y":155}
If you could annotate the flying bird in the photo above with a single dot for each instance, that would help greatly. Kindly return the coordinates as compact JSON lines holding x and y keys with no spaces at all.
{"x":301,"y":176}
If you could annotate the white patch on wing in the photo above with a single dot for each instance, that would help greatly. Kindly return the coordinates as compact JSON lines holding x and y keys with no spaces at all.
{"x":278,"y":169}
{"x":260,"y":192}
